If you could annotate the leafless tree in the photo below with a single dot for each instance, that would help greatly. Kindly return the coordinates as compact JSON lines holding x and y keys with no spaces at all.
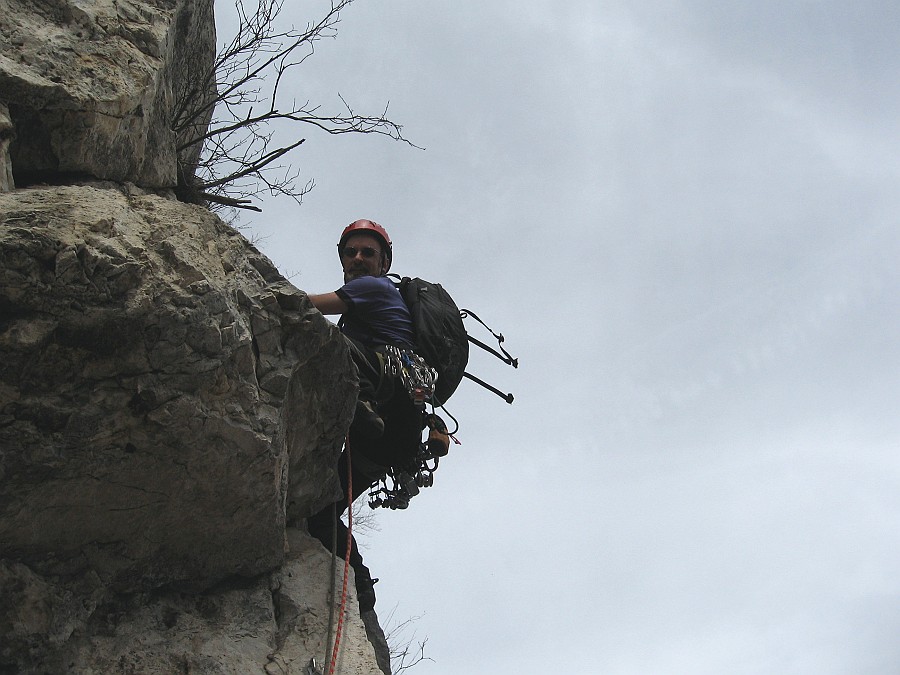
{"x":404,"y":655}
{"x":405,"y":650}
{"x":365,"y":522}
{"x":226,"y":122}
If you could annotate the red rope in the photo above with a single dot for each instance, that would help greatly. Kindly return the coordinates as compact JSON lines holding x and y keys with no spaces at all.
{"x":340,"y":626}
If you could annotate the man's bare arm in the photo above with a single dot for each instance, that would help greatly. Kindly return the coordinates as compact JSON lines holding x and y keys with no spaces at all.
{"x":328,"y":303}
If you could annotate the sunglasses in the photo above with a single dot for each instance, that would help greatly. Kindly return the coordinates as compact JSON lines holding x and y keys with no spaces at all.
{"x":367,"y":252}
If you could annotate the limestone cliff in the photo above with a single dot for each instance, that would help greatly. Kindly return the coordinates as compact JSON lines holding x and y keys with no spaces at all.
{"x":171,"y":408}
{"x":90,"y":87}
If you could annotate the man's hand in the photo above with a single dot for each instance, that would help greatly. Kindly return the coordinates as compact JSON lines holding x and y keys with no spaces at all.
{"x":328,"y":303}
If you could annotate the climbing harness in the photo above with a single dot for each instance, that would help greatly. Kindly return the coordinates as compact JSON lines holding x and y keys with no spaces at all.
{"x":397,"y":486}
{"x":430,"y":379}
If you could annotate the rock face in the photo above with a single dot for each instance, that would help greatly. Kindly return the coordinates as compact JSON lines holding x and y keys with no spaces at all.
{"x":92,"y":87}
{"x":271,"y":625}
{"x":166,"y":398}
{"x":157,"y":369}
{"x":171,"y":408}
{"x":6,"y":134}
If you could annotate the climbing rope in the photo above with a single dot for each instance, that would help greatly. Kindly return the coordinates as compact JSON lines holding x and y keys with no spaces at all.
{"x":340,"y":624}
{"x":331,"y":590}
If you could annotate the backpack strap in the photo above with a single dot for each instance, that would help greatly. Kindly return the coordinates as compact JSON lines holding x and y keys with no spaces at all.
{"x":509,"y":398}
{"x":505,"y":356}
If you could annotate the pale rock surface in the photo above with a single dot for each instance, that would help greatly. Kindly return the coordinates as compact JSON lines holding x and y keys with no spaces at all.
{"x":302,"y":590}
{"x":91,"y":86}
{"x":166,"y":399}
{"x":272,"y":624}
{"x":157,"y":370}
{"x":6,"y":133}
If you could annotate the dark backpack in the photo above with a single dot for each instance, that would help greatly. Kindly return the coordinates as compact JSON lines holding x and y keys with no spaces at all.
{"x":441,"y":337}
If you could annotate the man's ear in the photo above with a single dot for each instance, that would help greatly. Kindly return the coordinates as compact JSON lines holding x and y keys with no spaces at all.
{"x":385,"y":266}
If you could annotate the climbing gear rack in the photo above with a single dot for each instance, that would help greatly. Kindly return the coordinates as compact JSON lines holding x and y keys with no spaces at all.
{"x":397,"y":487}
{"x":412,"y":371}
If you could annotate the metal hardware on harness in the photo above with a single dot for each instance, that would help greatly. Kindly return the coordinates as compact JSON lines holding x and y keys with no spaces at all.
{"x":397,"y":487}
{"x":403,"y":488}
{"x":415,"y":375}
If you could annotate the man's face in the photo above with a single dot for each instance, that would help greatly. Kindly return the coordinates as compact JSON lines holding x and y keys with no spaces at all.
{"x":366,"y":260}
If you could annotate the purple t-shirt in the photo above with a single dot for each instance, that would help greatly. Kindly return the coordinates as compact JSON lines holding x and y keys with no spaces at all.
{"x":376,"y":313}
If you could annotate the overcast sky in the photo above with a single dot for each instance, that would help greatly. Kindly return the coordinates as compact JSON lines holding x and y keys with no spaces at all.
{"x":683,"y":216}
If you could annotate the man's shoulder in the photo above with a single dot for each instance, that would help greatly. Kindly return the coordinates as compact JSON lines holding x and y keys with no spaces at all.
{"x":369,"y":283}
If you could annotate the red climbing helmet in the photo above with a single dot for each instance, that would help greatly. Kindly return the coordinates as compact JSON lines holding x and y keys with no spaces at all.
{"x":368,"y":227}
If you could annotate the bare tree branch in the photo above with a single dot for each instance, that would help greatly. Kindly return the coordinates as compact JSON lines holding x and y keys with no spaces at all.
{"x":226,"y":122}
{"x":403,"y":654}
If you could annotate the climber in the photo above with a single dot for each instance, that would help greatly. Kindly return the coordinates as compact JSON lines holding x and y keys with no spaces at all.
{"x":387,"y":426}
